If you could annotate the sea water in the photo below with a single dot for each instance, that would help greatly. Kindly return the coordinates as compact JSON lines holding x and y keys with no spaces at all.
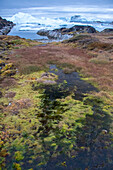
{"x":29,"y":20}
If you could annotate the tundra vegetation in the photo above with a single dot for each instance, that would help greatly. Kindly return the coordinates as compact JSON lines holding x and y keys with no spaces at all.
{"x":47,"y":121}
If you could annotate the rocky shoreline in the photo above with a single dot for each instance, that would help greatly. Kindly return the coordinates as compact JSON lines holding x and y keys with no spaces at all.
{"x":5,"y":26}
{"x":66,"y":33}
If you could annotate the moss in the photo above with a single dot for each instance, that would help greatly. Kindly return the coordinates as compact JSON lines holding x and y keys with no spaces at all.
{"x":99,"y":61}
{"x":8,"y":73}
{"x":18,"y":156}
{"x":7,"y":67}
{"x":100,"y":45}
{"x":77,"y":38}
{"x":2,"y":62}
{"x":16,"y":42}
{"x":16,"y":166}
{"x":29,"y":69}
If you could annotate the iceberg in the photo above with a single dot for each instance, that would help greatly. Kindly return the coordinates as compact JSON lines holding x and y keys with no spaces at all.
{"x":21,"y":17}
{"x":77,"y":18}
{"x":24,"y":18}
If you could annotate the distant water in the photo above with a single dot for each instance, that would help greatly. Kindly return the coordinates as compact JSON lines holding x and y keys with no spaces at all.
{"x":29,"y":20}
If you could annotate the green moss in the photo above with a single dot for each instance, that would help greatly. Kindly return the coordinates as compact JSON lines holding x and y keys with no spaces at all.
{"x":7,"y":67}
{"x":29,"y":69}
{"x":16,"y":42}
{"x":8,"y":73}
{"x":16,"y":166}
{"x":2,"y":62}
{"x":18,"y":156}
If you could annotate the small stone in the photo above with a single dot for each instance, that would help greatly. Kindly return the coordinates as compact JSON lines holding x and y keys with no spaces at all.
{"x":104,"y":131}
{"x":49,"y":82}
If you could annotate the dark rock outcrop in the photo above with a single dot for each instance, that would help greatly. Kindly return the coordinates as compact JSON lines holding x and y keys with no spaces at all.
{"x":53,"y":34}
{"x":107,"y":30}
{"x":80,"y":29}
{"x":66,"y":33}
{"x":5,"y":26}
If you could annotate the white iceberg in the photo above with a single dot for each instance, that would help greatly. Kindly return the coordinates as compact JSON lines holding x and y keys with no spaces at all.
{"x":21,"y":17}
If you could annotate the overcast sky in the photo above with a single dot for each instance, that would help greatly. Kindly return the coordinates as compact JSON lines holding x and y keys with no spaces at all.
{"x":36,"y":3}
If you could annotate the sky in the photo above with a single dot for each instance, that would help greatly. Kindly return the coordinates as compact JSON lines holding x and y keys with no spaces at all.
{"x":4,"y":4}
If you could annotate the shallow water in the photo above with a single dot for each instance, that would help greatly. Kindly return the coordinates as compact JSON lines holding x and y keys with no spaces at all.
{"x":74,"y":83}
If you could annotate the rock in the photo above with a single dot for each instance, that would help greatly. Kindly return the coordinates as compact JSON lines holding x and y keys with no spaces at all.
{"x":5,"y":26}
{"x":53,"y":34}
{"x":104,"y":131}
{"x":48,"y":82}
{"x":66,"y":33}
{"x":80,"y":29}
{"x":47,"y":75}
{"x":107,"y":30}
